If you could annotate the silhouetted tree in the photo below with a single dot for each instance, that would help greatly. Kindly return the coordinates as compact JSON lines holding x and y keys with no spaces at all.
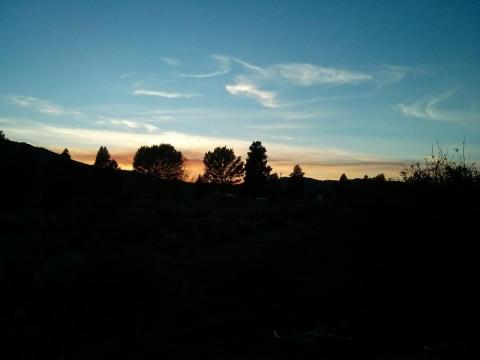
{"x":257,"y":172}
{"x":343,"y":177}
{"x":440,"y":168}
{"x":297,"y":172}
{"x":104,"y":160}
{"x":161,"y":160}
{"x":201,"y":180}
{"x":223,"y":167}
{"x":273,"y":177}
{"x":66,"y":154}
{"x":379,"y":177}
{"x":296,"y":179}
{"x":2,"y":136}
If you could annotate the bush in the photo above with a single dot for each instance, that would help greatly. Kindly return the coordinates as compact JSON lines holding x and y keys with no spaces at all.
{"x":440,"y":168}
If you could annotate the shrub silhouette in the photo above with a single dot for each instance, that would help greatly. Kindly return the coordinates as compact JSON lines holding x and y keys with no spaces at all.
{"x":2,"y":136}
{"x":161,"y":160}
{"x":65,"y":154}
{"x":104,"y":160}
{"x":257,"y":172}
{"x":223,"y":167}
{"x":380,"y":177}
{"x":440,"y":168}
{"x":343,"y":177}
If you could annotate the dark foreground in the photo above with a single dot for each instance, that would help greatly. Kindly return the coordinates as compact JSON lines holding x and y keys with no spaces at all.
{"x":99,"y":264}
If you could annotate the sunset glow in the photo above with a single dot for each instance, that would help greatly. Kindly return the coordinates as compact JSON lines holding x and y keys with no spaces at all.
{"x":334,"y":96}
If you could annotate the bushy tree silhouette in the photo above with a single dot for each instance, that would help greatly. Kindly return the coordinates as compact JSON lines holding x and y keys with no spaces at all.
{"x":440,"y":168}
{"x":297,"y":172}
{"x":343,"y":177}
{"x":257,"y":172}
{"x":65,"y":154}
{"x":380,"y":177}
{"x":223,"y":167}
{"x":296,"y":179}
{"x":2,"y":136}
{"x":104,"y":160}
{"x":161,"y":160}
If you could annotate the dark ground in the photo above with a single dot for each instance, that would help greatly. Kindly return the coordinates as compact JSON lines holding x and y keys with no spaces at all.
{"x":102,"y":264}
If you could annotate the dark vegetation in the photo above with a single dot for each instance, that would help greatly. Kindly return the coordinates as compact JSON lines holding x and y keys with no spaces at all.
{"x":223,"y":167}
{"x":106,"y":264}
{"x":104,"y":160}
{"x":162,"y":161}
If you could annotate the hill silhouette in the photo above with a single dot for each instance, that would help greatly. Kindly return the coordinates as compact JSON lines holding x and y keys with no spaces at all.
{"x":104,"y":263}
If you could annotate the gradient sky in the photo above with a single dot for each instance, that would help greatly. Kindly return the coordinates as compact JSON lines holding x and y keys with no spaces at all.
{"x":360,"y":87}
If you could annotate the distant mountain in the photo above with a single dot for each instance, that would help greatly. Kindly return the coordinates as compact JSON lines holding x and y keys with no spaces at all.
{"x":313,"y":186}
{"x":29,"y":171}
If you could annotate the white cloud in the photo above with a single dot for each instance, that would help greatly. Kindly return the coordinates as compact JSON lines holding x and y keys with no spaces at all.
{"x":171,"y":61}
{"x":324,"y":162}
{"x":223,"y":65}
{"x":150,"y":127}
{"x":248,"y":65}
{"x":428,"y":108}
{"x":308,"y":74}
{"x":83,"y":137}
{"x":254,"y":78}
{"x":278,"y":126}
{"x":126,"y":122}
{"x":304,"y":74}
{"x":43,"y":106}
{"x":244,"y":88}
{"x":164,"y":94}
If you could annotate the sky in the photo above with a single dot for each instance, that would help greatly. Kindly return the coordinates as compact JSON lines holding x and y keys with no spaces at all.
{"x":360,"y":87}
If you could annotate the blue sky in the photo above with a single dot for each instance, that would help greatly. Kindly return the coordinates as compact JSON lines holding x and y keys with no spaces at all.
{"x":356,"y":86}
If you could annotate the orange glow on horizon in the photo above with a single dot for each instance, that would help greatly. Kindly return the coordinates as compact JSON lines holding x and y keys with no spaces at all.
{"x":320,"y":171}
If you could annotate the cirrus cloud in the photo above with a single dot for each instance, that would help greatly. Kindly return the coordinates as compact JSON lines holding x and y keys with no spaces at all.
{"x":43,"y":106}
{"x":223,"y":64}
{"x":164,"y":94}
{"x":171,"y":61}
{"x":244,"y":88}
{"x":308,"y":74}
{"x":429,"y":108}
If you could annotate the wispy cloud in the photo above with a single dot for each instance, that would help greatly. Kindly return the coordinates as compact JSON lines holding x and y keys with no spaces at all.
{"x":171,"y":61}
{"x":390,"y":74}
{"x":308,"y":74}
{"x":253,"y":79}
{"x":86,"y":137}
{"x":245,"y":88}
{"x":429,"y":108}
{"x":277,"y":126}
{"x":326,"y":162}
{"x":223,"y":65}
{"x":158,"y":115}
{"x":304,"y":74}
{"x":132,"y":124}
{"x":247,"y":64}
{"x":164,"y":94}
{"x":43,"y":106}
